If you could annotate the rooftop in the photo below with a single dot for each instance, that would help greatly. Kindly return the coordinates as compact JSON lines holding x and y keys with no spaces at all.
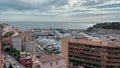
{"x":24,"y":55}
{"x":50,"y":58}
{"x":27,"y":57}
{"x":96,"y":42}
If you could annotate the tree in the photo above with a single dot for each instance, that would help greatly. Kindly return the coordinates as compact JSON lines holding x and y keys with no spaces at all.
{"x":15,"y":53}
{"x":10,"y":66}
{"x":107,"y":25}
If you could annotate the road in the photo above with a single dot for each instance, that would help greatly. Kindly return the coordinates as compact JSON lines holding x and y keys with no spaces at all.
{"x":9,"y":59}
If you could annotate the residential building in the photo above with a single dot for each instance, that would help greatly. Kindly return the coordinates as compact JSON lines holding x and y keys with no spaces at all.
{"x":91,"y":53}
{"x":52,"y":61}
{"x":20,"y":40}
{"x":8,"y":28}
{"x":17,"y":42}
{"x":26,"y":37}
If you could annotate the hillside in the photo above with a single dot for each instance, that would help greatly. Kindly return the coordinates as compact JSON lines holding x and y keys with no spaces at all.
{"x":112,"y":25}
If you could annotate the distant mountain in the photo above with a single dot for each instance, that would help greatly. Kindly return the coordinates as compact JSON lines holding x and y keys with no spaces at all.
{"x":107,"y":25}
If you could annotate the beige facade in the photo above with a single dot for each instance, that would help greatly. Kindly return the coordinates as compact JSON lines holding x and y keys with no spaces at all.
{"x":64,"y":49}
{"x":52,"y":61}
{"x":91,"y":53}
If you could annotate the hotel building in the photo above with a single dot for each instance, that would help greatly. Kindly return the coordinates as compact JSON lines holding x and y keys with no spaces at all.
{"x":91,"y":53}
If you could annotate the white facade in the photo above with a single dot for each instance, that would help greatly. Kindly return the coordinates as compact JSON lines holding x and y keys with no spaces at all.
{"x":17,"y":43}
{"x":53,"y":64}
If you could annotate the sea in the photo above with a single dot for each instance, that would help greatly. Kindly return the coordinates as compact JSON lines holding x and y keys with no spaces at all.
{"x":57,"y":25}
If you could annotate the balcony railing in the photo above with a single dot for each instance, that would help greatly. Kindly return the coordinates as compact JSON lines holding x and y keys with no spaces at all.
{"x":85,"y":60}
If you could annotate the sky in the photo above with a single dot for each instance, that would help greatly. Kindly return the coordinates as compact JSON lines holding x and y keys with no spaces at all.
{"x":60,"y":10}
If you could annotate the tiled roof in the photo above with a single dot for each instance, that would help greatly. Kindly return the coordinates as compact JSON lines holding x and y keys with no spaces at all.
{"x":22,"y":34}
{"x":25,"y":34}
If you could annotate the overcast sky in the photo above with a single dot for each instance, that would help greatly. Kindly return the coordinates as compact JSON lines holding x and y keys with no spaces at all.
{"x":60,"y":10}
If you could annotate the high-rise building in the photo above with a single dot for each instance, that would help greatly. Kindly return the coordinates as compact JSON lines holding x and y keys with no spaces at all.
{"x":91,"y":53}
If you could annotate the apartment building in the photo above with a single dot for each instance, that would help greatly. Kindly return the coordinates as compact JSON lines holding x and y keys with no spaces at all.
{"x":91,"y":53}
{"x":20,"y":40}
{"x":52,"y":61}
{"x":17,"y":42}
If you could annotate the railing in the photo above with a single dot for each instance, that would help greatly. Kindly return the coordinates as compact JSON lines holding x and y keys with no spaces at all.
{"x":85,"y":60}
{"x":84,"y":56}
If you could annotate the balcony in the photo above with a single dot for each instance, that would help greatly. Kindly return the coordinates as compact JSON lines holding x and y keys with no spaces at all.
{"x":113,"y":64}
{"x":85,"y":56}
{"x":86,"y":61}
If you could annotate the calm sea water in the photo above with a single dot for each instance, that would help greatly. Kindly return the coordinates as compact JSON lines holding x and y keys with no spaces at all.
{"x":64,"y":25}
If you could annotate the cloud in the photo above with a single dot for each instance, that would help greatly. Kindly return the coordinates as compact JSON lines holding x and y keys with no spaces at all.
{"x":31,"y":4}
{"x":93,"y":2}
{"x":15,"y":5}
{"x":59,"y":9}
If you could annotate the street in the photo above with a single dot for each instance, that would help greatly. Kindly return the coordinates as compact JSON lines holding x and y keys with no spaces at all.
{"x":9,"y":59}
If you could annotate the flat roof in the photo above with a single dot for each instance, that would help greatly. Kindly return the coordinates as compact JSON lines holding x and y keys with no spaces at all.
{"x":50,"y":58}
{"x":94,"y":42}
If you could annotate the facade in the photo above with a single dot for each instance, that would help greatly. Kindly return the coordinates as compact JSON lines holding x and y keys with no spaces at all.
{"x":53,"y":61}
{"x":26,"y":37}
{"x":17,"y":42}
{"x":7,"y":41}
{"x":30,"y":46}
{"x":91,"y":53}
